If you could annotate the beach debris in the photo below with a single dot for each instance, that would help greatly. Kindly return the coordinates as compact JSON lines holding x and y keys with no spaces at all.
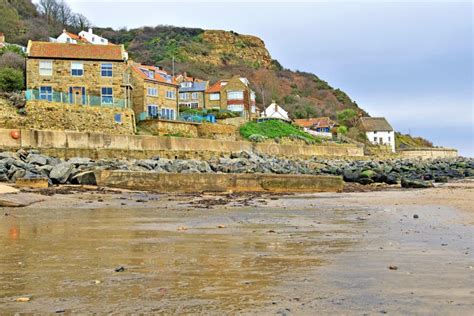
{"x":271,"y":231}
{"x":97,"y":282}
{"x":415,"y":216}
{"x":23,"y":299}
{"x":181,"y":228}
{"x":119,"y":269}
{"x":221,"y":226}
{"x":393,"y":268}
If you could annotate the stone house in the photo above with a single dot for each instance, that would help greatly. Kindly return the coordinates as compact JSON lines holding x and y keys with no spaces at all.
{"x":378,"y":131}
{"x":79,"y":74}
{"x":234,"y":95}
{"x":155,"y":93}
{"x":191,"y":92}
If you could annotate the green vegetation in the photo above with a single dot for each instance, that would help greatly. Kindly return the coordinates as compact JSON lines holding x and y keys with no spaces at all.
{"x":11,"y":80}
{"x":347,"y":117}
{"x":274,"y":129}
{"x":342,"y":130}
{"x":408,"y":141}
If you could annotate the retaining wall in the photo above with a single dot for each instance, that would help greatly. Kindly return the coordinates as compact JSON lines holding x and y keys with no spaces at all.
{"x":220,"y":182}
{"x":66,"y":144}
{"x":428,"y":153}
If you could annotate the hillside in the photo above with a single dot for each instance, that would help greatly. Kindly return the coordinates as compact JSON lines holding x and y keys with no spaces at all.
{"x":213,"y":54}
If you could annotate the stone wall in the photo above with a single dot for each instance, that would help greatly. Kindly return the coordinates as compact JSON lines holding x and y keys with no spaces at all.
{"x":170,"y":128}
{"x":217,"y":131}
{"x":59,"y":116}
{"x":236,"y":121}
{"x":67,"y":144}
{"x":428,"y":153}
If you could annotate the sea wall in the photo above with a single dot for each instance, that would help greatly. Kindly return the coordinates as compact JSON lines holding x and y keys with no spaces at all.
{"x":205,"y":182}
{"x":428,"y":153}
{"x":166,"y":127}
{"x":65,"y":144}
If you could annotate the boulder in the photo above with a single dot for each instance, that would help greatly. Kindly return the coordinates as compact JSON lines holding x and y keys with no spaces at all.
{"x":84,"y":178}
{"x":61,"y":172}
{"x":36,"y":159}
{"x":416,"y":184}
{"x":79,"y":161}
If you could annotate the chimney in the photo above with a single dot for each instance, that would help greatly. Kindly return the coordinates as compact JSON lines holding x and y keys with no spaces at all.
{"x":64,"y":30}
{"x":90,"y":31}
{"x":2,"y":38}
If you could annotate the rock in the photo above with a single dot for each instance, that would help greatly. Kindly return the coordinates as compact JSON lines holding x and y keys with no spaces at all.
{"x":416,"y":184}
{"x":84,"y":178}
{"x":61,"y":172}
{"x":23,"y":299}
{"x":119,"y":269}
{"x":19,"y":173}
{"x":367,"y":174}
{"x":79,"y":161}
{"x":350,"y":176}
{"x":36,"y":159}
{"x":393,"y":267}
{"x":391,"y":179}
{"x":415,"y":216}
{"x":441,"y":179}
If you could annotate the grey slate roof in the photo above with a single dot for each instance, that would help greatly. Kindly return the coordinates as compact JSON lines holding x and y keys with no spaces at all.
{"x":372,"y":124}
{"x":196,"y":87}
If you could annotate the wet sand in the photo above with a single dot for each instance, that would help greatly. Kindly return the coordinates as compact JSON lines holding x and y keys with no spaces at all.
{"x":252,"y":254}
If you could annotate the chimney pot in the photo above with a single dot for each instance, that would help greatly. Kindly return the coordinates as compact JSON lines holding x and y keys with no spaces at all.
{"x":90,"y":31}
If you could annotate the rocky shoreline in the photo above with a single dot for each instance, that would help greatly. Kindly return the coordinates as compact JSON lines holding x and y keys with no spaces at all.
{"x":408,"y":172}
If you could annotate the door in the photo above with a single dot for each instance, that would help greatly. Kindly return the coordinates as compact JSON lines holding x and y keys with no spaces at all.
{"x":77,"y":95}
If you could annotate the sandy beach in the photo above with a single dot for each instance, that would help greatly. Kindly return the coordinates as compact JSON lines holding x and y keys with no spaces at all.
{"x":391,"y":251}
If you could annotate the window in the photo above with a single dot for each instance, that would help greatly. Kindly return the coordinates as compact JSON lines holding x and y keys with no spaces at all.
{"x":389,"y":138}
{"x":214,"y":96}
{"x":46,"y":93}
{"x":107,"y":96}
{"x":193,"y":105}
{"x":118,"y":118}
{"x":152,"y":91}
{"x":170,"y":94}
{"x":194,"y":96}
{"x":106,"y":70}
{"x":186,"y":84}
{"x":236,"y":107}
{"x":150,"y":74}
{"x":152,"y":110}
{"x":252,"y":96}
{"x":167,"y":114}
{"x":235,"y":95}
{"x":184,"y":96}
{"x":77,"y":69}
{"x":375,"y":139}
{"x":46,"y":68}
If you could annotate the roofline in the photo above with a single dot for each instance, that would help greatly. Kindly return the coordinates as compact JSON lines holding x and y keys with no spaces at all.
{"x":68,"y":58}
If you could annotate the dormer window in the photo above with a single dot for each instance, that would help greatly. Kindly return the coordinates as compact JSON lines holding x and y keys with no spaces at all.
{"x":151,"y":74}
{"x":186,"y":84}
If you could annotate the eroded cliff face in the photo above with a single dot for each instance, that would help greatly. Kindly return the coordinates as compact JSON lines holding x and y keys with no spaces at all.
{"x":230,"y":48}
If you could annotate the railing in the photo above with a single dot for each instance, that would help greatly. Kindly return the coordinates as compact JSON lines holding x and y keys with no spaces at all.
{"x":181,"y":118}
{"x":70,"y":98}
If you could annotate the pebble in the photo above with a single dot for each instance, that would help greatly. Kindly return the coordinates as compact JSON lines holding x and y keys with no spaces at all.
{"x":415,"y":216}
{"x":393,"y":267}
{"x":23,"y":299}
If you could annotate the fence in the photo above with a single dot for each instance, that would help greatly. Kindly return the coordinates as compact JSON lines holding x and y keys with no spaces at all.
{"x":194,"y":118}
{"x":70,"y":98}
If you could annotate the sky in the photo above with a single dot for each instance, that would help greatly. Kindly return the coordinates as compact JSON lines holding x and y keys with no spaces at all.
{"x":411,"y":62}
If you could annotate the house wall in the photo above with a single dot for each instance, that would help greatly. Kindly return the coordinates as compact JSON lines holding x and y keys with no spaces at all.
{"x":200,"y":100}
{"x":388,"y":138}
{"x":141,"y":99}
{"x":212,"y":103}
{"x":62,"y":79}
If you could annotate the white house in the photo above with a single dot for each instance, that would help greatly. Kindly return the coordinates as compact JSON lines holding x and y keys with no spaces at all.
{"x":276,"y":112}
{"x":93,"y":38}
{"x":378,"y":131}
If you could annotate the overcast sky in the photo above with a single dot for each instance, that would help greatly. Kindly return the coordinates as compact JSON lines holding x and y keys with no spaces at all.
{"x":411,"y":62}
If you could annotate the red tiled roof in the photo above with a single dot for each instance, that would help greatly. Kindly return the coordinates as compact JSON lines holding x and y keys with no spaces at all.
{"x":316,"y":122}
{"x":215,"y":87}
{"x":139,"y":70}
{"x":77,"y":37}
{"x":75,"y":51}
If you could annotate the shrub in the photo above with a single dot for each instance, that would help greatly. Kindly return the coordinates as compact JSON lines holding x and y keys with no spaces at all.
{"x":257,"y":138}
{"x":272,"y":129}
{"x":12,"y":60}
{"x":348,"y":117}
{"x":11,"y":80}
{"x":342,"y":130}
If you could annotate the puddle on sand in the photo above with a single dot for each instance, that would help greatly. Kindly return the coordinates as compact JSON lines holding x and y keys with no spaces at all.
{"x":56,"y":256}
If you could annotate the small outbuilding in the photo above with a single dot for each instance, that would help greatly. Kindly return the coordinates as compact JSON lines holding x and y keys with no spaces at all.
{"x":378,"y":131}
{"x":274,"y":111}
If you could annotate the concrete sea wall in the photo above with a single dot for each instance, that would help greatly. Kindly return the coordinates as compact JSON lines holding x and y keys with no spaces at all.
{"x":205,"y":182}
{"x":428,"y":153}
{"x":65,"y":144}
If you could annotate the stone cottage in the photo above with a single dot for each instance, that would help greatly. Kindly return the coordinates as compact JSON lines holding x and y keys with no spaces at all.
{"x":234,"y":95}
{"x":191,"y":92}
{"x":78,"y":74}
{"x":155,"y":93}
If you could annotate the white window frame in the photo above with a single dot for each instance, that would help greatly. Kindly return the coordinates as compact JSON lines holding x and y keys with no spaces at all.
{"x":74,"y":65}
{"x":194,"y":96}
{"x":111,"y":70}
{"x":152,"y":92}
{"x":106,"y":95}
{"x":170,"y":94}
{"x":184,"y":96}
{"x":215,"y":96}
{"x":47,"y":96}
{"x":236,"y":107}
{"x":235,"y":95}
{"x":170,"y":111}
{"x":46,"y":67}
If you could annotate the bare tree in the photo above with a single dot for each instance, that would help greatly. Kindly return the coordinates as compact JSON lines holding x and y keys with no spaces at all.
{"x":12,"y":60}
{"x":49,"y":9}
{"x":64,"y":14}
{"x":80,"y":22}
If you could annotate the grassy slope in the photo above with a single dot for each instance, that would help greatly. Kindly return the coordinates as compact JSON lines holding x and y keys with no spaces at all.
{"x":272,"y":129}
